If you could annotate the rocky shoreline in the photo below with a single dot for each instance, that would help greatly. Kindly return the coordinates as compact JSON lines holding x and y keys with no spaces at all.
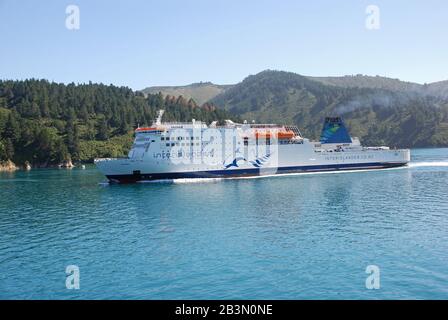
{"x":9,"y":166}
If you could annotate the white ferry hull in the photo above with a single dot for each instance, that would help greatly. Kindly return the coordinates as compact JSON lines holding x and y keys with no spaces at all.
{"x":291,"y":159}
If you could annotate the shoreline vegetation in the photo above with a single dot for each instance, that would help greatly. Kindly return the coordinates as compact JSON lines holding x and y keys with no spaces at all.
{"x":45,"y":124}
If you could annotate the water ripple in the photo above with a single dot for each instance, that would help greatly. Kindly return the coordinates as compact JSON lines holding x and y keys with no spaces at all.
{"x":303,"y":236}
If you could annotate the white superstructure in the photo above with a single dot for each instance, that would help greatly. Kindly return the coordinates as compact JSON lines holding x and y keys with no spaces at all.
{"x":195,"y":150}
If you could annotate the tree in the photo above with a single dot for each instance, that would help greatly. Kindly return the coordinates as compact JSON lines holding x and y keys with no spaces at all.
{"x":103,"y":130}
{"x":2,"y":102}
{"x":84,"y":114}
{"x":124,"y":126}
{"x":90,"y":130}
{"x":12,"y":128}
{"x":192,"y":104}
{"x":3,"y":154}
{"x":44,"y":108}
{"x":72,"y":139}
{"x":9,"y":149}
{"x":60,"y":152}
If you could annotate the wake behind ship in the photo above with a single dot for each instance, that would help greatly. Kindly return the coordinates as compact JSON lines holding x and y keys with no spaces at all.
{"x":197,"y":150}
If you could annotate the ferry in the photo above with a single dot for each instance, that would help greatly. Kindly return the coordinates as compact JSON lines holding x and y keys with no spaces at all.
{"x":176,"y":150}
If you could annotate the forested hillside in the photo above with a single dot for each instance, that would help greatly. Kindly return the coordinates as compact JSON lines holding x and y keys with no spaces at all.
{"x":364,"y":81}
{"x":46,"y":123}
{"x":397,"y":117}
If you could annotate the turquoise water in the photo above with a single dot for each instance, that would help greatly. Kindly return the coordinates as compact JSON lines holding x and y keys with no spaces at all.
{"x":294,"y":237}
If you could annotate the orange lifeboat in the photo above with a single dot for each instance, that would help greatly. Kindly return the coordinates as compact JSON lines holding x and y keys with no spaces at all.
{"x":149,"y":129}
{"x":279,"y":134}
{"x":285,"y":135}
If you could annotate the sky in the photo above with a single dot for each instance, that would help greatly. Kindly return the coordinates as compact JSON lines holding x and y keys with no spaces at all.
{"x":176,"y":42}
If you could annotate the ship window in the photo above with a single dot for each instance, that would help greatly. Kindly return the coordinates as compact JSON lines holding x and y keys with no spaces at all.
{"x":167,"y":144}
{"x":172,"y":144}
{"x":162,"y":138}
{"x":192,"y":144}
{"x":167,"y":138}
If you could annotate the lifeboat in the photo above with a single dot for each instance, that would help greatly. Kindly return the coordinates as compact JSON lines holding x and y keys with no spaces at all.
{"x":150,"y":129}
{"x":279,"y":134}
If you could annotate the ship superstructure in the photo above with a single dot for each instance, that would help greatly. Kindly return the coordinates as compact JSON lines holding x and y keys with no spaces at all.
{"x":172,"y":150}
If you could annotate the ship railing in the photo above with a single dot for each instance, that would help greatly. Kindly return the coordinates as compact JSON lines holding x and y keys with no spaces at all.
{"x":183,"y":125}
{"x":265,"y":125}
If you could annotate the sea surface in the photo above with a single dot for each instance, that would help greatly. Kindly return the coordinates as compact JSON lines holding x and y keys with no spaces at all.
{"x":308,"y":236}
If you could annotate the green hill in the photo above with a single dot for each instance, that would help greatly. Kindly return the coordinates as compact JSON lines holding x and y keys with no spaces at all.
{"x":437,"y":89}
{"x":363,"y":81}
{"x":206,"y":91}
{"x":46,"y":123}
{"x":200,"y":92}
{"x":378,"y":114}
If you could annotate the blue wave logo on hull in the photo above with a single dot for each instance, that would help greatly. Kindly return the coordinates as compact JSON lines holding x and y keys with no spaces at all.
{"x":234,"y":163}
{"x":260,"y":161}
{"x":257,"y":163}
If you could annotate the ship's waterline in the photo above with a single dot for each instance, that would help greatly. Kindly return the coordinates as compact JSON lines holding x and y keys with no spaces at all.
{"x":279,"y":175}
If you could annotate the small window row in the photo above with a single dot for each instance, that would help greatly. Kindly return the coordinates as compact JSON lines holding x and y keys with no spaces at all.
{"x":172,"y":144}
{"x":179,"y":138}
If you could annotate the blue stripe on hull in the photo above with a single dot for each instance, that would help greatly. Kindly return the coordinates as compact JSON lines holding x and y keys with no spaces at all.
{"x":250,"y":172}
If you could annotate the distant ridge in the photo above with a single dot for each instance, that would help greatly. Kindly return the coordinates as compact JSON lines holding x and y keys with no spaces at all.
{"x":364,"y":81}
{"x":200,"y":92}
{"x":438,"y":89}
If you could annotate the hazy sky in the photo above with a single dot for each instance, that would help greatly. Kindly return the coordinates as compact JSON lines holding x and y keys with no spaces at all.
{"x":146,"y":43}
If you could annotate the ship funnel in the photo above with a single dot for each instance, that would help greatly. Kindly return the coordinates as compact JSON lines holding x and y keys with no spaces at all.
{"x":334,"y":131}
